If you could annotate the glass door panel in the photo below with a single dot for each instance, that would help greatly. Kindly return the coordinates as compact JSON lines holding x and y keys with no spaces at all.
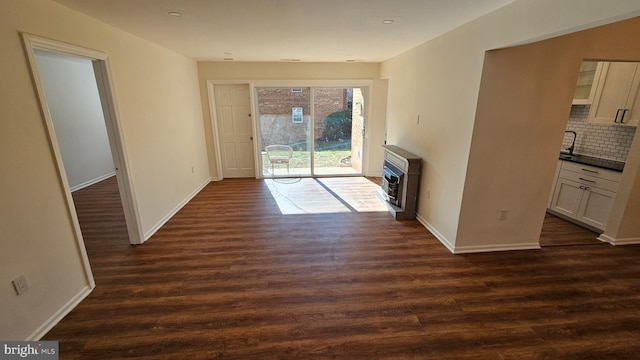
{"x":310,"y":131}
{"x":338,"y":129}
{"x":284,"y":129}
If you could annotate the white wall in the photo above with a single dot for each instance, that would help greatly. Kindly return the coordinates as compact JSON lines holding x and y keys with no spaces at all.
{"x":440,"y":81}
{"x":74,"y":104}
{"x":160,"y":113}
{"x":254,"y":71}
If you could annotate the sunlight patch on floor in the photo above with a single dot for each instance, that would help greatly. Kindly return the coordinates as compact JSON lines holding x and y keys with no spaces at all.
{"x":325,"y":195}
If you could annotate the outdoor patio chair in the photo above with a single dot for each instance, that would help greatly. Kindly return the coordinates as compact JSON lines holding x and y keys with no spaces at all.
{"x":279,"y":154}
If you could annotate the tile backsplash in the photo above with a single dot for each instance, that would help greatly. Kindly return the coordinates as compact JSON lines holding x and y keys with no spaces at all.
{"x":604,"y":141}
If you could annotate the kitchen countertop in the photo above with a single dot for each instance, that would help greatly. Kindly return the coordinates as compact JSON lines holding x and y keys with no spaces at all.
{"x":593,"y":161}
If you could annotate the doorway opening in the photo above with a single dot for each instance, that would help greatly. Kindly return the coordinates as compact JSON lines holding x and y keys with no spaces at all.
{"x":83,"y":71}
{"x":310,"y":131}
{"x":599,"y":134}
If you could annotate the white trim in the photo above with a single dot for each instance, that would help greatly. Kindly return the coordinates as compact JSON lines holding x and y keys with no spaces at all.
{"x":110,"y":110}
{"x":623,"y":241}
{"x":35,"y":42}
{"x":213,"y":115}
{"x":32,"y":43}
{"x":474,"y":249}
{"x":443,"y":239}
{"x":43,"y":329}
{"x":92,"y":181}
{"x":175,"y":210}
{"x":496,"y":247}
{"x":606,"y":238}
{"x":104,"y":82}
{"x":314,"y":83}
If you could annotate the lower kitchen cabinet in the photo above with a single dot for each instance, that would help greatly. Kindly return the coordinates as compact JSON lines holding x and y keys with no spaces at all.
{"x":590,"y":205}
{"x":584,"y":193}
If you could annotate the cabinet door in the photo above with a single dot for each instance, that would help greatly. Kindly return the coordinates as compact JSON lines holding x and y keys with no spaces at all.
{"x":567,"y":197}
{"x":612,"y":92}
{"x":595,"y":207}
{"x":632,"y":115}
{"x":585,"y":88}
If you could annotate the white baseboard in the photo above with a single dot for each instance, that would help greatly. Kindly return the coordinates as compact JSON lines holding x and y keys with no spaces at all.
{"x":175,"y":210}
{"x":443,"y":239}
{"x":474,"y":249}
{"x":43,"y":329}
{"x":92,"y":181}
{"x":623,"y":241}
{"x":216,"y":179}
{"x":496,"y":247}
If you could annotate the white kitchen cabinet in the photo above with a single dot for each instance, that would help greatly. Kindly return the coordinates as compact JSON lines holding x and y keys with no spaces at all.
{"x":585,"y":193}
{"x":616,"y":99}
{"x":555,"y":181}
{"x":585,"y":89}
{"x":587,"y":204}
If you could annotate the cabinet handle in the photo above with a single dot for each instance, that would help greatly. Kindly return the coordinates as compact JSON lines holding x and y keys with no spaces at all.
{"x":584,"y":187}
{"x":624,"y":112}
{"x":618,"y":113}
{"x":587,"y":180}
{"x":591,"y":171}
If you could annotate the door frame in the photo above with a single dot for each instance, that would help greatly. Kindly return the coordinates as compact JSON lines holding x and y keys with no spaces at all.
{"x":104,"y":80}
{"x":213,"y":114}
{"x":280,"y":83}
{"x":330,"y":83}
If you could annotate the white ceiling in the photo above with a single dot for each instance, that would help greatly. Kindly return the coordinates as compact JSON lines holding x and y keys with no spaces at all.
{"x":273,"y":30}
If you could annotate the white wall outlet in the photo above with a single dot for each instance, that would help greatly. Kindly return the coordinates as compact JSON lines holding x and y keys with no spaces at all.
{"x":20,"y":284}
{"x":503,"y":214}
{"x":428,"y":193}
{"x":192,"y":170}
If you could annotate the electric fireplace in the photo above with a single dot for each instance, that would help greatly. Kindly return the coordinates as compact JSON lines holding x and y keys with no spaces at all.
{"x":400,"y":178}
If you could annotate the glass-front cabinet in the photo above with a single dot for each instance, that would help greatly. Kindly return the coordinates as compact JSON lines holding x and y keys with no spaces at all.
{"x":585,"y":88}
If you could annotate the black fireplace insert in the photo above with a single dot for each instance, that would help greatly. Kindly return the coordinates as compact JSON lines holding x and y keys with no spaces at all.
{"x":391,"y":183}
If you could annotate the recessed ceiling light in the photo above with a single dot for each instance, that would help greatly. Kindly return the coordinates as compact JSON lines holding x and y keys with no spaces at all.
{"x":387,"y":22}
{"x":175,"y":13}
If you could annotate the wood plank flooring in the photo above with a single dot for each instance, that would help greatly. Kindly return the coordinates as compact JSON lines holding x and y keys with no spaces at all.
{"x":558,"y":232}
{"x":230,"y":277}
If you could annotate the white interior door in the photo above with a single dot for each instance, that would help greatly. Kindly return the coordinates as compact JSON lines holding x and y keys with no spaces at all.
{"x":233,"y":113}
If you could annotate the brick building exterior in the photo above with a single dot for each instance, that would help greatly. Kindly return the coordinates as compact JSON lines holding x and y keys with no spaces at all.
{"x":275,"y":110}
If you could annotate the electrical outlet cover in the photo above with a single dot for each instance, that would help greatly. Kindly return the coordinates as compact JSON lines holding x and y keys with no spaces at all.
{"x":20,"y":284}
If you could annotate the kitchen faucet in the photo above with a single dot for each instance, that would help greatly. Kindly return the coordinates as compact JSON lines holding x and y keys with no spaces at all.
{"x":573,"y":143}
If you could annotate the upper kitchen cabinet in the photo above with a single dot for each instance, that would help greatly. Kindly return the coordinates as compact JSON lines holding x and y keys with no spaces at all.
{"x":616,"y":99}
{"x":589,"y":71}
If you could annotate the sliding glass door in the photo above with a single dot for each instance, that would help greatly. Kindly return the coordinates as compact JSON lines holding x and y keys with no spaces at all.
{"x":284,"y":122}
{"x":310,"y":131}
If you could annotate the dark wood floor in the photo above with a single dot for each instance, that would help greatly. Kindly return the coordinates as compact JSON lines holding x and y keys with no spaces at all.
{"x":230,"y":278}
{"x":558,"y":232}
